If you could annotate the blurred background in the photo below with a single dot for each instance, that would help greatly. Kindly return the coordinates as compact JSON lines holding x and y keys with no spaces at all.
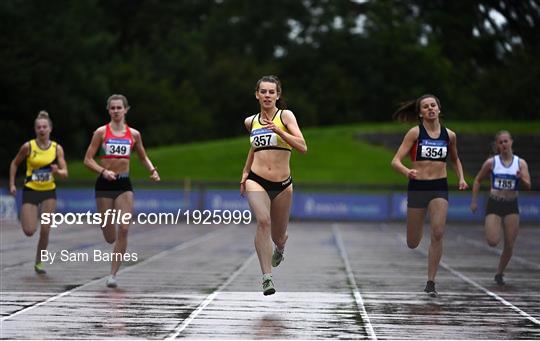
{"x":189,"y":67}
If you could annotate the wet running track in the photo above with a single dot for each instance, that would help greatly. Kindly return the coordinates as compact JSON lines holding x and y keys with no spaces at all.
{"x":338,"y":281}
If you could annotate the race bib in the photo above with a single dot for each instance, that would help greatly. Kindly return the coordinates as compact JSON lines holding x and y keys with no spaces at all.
{"x":117,"y":147}
{"x":434,"y":149}
{"x":42,"y":175}
{"x":263,"y":138}
{"x":504,"y":183}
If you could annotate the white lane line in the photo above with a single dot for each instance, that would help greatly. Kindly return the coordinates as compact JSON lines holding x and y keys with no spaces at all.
{"x":180,"y":328}
{"x":483,"y":246}
{"x":356,"y":292}
{"x":180,"y":247}
{"x":478,"y":286}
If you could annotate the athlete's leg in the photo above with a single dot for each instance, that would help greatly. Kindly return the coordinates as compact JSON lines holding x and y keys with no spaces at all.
{"x":123,"y":204}
{"x":47,"y":206}
{"x":511,"y":229}
{"x":109,"y":230}
{"x":493,"y":229}
{"x":437,"y":209}
{"x":279,"y":213}
{"x":29,"y":218}
{"x":259,"y":201}
{"x":279,"y":216}
{"x":415,"y":226}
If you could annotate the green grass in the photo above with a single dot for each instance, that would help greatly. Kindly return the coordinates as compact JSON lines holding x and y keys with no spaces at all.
{"x":334,"y":155}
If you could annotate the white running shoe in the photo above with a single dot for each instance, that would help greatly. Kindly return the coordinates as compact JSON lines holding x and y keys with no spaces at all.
{"x":111,"y":282}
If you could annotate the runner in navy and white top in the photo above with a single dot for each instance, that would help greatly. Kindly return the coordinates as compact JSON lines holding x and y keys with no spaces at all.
{"x":429,"y":143}
{"x":507,"y":172}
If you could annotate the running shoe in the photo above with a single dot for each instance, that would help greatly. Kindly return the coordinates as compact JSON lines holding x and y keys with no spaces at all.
{"x":430,"y":289}
{"x":111,"y":282}
{"x":499,"y":279}
{"x":268,"y":287}
{"x":277,"y":257}
{"x":39,"y":268}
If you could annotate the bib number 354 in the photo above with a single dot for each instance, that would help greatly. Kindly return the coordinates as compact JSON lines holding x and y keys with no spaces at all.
{"x":433,"y":152}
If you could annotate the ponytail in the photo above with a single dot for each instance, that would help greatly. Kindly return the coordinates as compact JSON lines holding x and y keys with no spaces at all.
{"x":406,"y":113}
{"x":410,"y":111}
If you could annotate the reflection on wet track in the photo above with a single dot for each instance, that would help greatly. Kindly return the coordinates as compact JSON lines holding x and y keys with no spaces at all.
{"x":338,"y":281}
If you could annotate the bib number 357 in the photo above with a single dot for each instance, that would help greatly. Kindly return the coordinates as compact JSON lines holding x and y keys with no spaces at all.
{"x":262,"y":140}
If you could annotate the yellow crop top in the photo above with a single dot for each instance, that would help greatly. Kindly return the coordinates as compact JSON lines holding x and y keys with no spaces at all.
{"x":262,"y":138}
{"x":39,"y":175}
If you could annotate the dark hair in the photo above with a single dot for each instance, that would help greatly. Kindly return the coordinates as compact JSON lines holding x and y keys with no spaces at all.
{"x":408,"y":111}
{"x":280,"y":103}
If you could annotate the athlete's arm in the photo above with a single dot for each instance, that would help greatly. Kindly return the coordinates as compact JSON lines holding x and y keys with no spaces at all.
{"x":294,"y":137}
{"x":249,"y":159}
{"x":458,"y":168}
{"x":248,"y":122}
{"x":60,"y":168}
{"x":154,"y":175}
{"x":21,"y":155}
{"x":89,"y":161}
{"x":524,"y":175}
{"x":245,"y":171}
{"x":482,"y":173}
{"x":403,"y":150}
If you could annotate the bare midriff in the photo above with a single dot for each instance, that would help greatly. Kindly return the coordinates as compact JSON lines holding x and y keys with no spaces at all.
{"x":273,"y":165}
{"x":115,"y":165}
{"x":430,"y":170}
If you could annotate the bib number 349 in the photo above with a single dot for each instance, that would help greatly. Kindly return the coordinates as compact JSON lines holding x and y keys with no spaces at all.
{"x":118,"y":149}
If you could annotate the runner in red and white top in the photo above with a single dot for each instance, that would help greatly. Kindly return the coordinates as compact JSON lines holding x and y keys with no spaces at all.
{"x":116,"y":141}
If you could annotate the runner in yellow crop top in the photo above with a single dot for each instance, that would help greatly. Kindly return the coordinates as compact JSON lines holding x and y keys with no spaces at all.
{"x":39,"y":163}
{"x":266,"y":177}
{"x":44,"y":160}
{"x":262,"y":138}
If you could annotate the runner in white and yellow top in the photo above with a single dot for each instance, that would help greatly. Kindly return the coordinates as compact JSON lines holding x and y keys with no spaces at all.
{"x":44,"y":161}
{"x":266,"y":177}
{"x":507,"y":172}
{"x":263,"y":138}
